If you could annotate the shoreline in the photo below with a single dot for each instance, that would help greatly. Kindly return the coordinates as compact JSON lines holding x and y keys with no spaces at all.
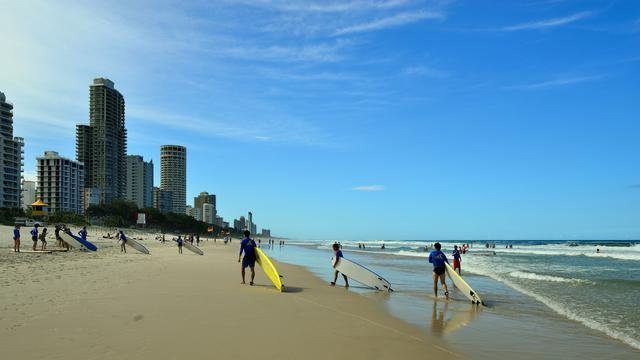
{"x":110,"y":305}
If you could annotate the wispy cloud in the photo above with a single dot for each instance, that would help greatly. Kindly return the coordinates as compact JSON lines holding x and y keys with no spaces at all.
{"x":396,"y":20}
{"x":424,"y":71}
{"x":331,"y":7}
{"x":559,"y":81}
{"x":368,"y":188}
{"x":549,"y":23}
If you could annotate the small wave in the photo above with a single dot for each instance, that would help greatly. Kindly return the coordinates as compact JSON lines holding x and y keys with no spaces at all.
{"x":534,"y":276}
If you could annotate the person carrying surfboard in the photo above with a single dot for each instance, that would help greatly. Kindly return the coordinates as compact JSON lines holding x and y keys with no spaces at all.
{"x":438,"y":259}
{"x":338,"y":255}
{"x":123,"y":244}
{"x":248,"y":247}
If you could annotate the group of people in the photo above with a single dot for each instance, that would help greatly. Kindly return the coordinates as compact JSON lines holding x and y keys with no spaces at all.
{"x":436,"y":257}
{"x":41,"y":235}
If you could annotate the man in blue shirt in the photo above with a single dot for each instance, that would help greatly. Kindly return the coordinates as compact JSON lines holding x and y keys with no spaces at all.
{"x":438,"y":259}
{"x":248,"y":247}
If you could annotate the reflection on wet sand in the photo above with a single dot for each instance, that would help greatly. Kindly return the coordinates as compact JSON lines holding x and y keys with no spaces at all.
{"x":445,"y":322}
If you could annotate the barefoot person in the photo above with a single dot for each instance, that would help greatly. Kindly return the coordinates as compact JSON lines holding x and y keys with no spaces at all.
{"x":180,"y":243}
{"x":338,"y":255}
{"x":438,"y":259}
{"x":123,"y":242}
{"x":34,"y":236}
{"x":248,"y":247}
{"x":43,"y":239}
{"x":16,"y":238}
{"x":456,"y":259}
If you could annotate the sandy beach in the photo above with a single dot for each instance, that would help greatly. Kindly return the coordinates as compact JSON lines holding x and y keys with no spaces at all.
{"x":108,"y":305}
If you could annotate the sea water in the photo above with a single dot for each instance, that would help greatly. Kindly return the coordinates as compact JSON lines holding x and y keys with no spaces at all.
{"x":547,"y":299}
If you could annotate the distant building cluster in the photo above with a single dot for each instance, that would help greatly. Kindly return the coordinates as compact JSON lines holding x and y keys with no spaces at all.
{"x":102,"y":170}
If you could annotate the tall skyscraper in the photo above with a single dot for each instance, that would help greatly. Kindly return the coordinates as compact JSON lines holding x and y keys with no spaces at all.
{"x":60,"y":183}
{"x":209,"y":213}
{"x":11,"y":158}
{"x":139,"y":181}
{"x":173,"y":174}
{"x":102,"y":145}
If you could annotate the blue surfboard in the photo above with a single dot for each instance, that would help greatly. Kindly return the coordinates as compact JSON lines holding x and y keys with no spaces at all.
{"x":85,"y":243}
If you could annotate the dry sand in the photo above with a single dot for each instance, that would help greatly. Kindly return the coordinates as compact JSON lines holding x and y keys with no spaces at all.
{"x":108,"y":305}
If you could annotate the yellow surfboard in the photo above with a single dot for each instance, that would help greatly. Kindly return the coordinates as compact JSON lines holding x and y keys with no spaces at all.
{"x":268,"y":268}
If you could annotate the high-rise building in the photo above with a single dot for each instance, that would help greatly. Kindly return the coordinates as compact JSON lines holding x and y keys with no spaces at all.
{"x":11,"y":158}
{"x":162,"y":200}
{"x":139,"y":181}
{"x":28,"y":193}
{"x":266,"y":233}
{"x":173,"y":174}
{"x":240,"y":224}
{"x":102,"y":145}
{"x":193,"y":212}
{"x":60,"y":183}
{"x":253,"y":228}
{"x":209,"y":213}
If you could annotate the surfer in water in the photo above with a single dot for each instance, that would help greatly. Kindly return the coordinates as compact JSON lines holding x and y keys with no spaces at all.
{"x":248,"y":247}
{"x":338,"y":255}
{"x":123,"y":243}
{"x":438,"y":259}
{"x":16,"y":238}
{"x":456,"y":259}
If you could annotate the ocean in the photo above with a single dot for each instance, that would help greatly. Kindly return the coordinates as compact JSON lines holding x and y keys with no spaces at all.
{"x":547,"y":299}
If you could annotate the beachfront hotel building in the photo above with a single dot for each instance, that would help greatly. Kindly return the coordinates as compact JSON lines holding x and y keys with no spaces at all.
{"x":102,"y":145}
{"x":209,"y":200}
{"x":60,"y":183}
{"x":139,"y":181}
{"x":240,"y":224}
{"x":173,"y":175}
{"x":12,"y":158}
{"x":162,"y":200}
{"x":28,"y":193}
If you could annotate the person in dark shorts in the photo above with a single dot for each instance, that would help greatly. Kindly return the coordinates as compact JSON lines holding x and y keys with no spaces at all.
{"x":456,"y":259}
{"x":248,"y":247}
{"x":180,"y":243}
{"x":338,"y":255}
{"x":438,"y":259}
{"x":43,"y":239}
{"x":34,"y":236}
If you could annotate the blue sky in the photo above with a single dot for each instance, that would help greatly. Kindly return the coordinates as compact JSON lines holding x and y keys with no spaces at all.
{"x":357,"y":119}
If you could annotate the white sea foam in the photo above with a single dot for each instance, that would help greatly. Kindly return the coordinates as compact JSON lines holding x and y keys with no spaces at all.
{"x":490,"y":270}
{"x":534,"y":276}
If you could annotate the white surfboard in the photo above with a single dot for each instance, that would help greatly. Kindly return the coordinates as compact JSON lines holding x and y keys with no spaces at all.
{"x":71,"y":241}
{"x":136,"y":245}
{"x":193,"y":248}
{"x":462,"y":285}
{"x":362,"y":275}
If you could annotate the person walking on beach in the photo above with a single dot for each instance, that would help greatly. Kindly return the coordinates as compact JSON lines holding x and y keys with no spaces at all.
{"x":198,"y":239}
{"x":336,"y":258}
{"x":179,"y":241}
{"x":248,"y":247}
{"x":123,"y":242}
{"x":83,"y":233}
{"x":34,"y":236}
{"x":456,"y":259}
{"x":43,"y":239}
{"x":438,"y":259}
{"x":56,"y":232}
{"x":16,"y":238}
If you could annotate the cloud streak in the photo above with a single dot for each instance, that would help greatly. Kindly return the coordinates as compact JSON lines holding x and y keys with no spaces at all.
{"x":396,"y":20}
{"x":368,"y":188}
{"x":549,"y":23}
{"x":557,"y":82}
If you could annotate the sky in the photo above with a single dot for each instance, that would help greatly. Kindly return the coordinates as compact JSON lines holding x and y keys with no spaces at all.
{"x":357,"y":119}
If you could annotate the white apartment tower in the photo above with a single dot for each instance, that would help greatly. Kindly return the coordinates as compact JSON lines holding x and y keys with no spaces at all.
{"x":60,"y":183}
{"x":11,"y":158}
